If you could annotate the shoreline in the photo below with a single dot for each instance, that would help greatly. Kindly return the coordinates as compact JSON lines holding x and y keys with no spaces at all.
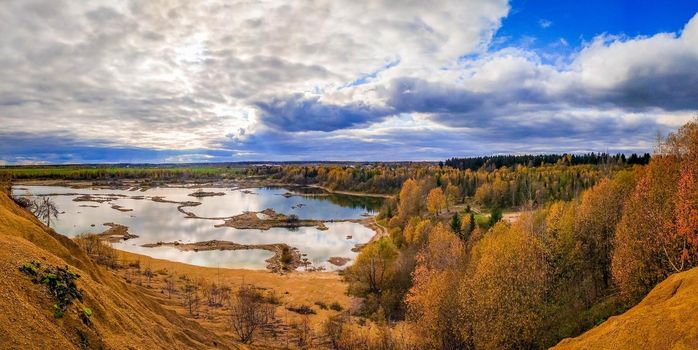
{"x":353,"y":193}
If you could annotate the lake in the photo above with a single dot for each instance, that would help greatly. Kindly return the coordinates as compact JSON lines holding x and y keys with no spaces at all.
{"x":158,"y":221}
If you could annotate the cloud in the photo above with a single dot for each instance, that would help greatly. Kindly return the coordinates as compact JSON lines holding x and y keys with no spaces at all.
{"x":296,"y":113}
{"x":174,"y":80}
{"x":544,"y":23}
{"x":611,"y":79}
{"x":158,"y":74}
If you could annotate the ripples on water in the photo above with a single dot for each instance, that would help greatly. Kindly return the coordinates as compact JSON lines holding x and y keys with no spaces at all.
{"x":162,"y":222}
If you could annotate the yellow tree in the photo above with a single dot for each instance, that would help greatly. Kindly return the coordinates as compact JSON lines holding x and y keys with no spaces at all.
{"x":433,"y":299}
{"x":371,"y":271}
{"x":436,"y":201}
{"x":410,"y":200}
{"x":452,"y":195}
{"x":416,"y":231}
{"x":596,"y":218}
{"x":504,"y":294}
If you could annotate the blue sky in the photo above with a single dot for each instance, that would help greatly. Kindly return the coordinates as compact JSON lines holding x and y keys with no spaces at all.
{"x":180,"y":81}
{"x":547,"y":22}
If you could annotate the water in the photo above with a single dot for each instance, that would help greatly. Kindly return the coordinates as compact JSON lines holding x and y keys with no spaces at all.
{"x":162,"y":222}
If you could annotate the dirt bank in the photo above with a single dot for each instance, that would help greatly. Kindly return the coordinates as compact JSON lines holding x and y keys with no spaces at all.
{"x":664,"y":319}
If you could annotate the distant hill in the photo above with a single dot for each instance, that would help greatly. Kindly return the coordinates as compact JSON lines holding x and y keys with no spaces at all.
{"x":664,"y":319}
{"x":121,"y":318}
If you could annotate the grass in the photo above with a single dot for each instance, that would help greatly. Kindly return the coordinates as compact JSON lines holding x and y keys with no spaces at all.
{"x":482,"y":220}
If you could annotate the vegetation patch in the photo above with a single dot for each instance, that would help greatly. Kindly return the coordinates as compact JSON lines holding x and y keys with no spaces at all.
{"x":202,"y":193}
{"x":59,"y":281}
{"x":301,"y":309}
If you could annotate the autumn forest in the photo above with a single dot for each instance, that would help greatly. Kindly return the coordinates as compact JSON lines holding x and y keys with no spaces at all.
{"x":587,"y":241}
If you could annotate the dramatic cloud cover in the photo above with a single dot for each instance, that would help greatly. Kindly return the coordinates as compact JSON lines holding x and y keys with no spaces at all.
{"x":182,"y":81}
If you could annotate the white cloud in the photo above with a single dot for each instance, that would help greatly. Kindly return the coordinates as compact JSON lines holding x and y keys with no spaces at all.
{"x":182,"y":74}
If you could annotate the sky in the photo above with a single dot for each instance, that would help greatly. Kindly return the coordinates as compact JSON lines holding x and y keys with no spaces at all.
{"x":167,"y":81}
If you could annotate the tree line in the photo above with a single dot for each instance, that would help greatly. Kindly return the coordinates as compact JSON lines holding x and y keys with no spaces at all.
{"x":530,"y":160}
{"x":503,"y":187}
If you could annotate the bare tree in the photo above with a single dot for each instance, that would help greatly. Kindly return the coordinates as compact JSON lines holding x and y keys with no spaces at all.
{"x":303,"y":333}
{"x":215,"y":294}
{"x":191,"y":298}
{"x":45,"y":209}
{"x":249,"y":312}
{"x":100,"y":251}
{"x":334,"y":329}
{"x":149,"y":274}
{"x":170,"y":286}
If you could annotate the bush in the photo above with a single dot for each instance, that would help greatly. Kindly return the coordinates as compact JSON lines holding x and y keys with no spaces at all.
{"x":322,"y":305}
{"x":59,"y":281}
{"x":336,"y":306}
{"x":302,"y":309}
{"x":85,"y":315}
{"x":23,"y":202}
{"x":102,"y":253}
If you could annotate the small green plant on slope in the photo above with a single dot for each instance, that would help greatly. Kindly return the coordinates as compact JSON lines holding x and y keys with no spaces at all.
{"x":60,"y":283}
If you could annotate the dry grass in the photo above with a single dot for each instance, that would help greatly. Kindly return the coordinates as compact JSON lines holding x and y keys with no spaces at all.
{"x":282,"y":291}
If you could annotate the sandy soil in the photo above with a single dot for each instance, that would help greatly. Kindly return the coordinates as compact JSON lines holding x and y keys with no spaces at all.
{"x":664,"y":319}
{"x":293,"y":290}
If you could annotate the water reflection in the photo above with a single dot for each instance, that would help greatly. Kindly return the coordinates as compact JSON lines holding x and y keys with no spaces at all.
{"x":161,"y":222}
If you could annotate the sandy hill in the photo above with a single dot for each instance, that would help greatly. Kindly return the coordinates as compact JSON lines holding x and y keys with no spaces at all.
{"x":122,"y":318}
{"x":667,"y":318}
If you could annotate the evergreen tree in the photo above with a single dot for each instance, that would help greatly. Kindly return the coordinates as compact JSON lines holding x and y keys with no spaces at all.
{"x":455,"y":223}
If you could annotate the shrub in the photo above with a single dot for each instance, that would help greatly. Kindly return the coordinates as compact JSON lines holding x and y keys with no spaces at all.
{"x":102,"y":253}
{"x":249,"y":312}
{"x":149,"y":274}
{"x":23,"y":202}
{"x":303,"y":333}
{"x":336,"y":306}
{"x":85,"y":315}
{"x":302,"y":309}
{"x":59,"y":281}
{"x":191,"y":298}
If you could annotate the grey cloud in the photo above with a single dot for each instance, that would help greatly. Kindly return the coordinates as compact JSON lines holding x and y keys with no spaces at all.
{"x":298,"y":113}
